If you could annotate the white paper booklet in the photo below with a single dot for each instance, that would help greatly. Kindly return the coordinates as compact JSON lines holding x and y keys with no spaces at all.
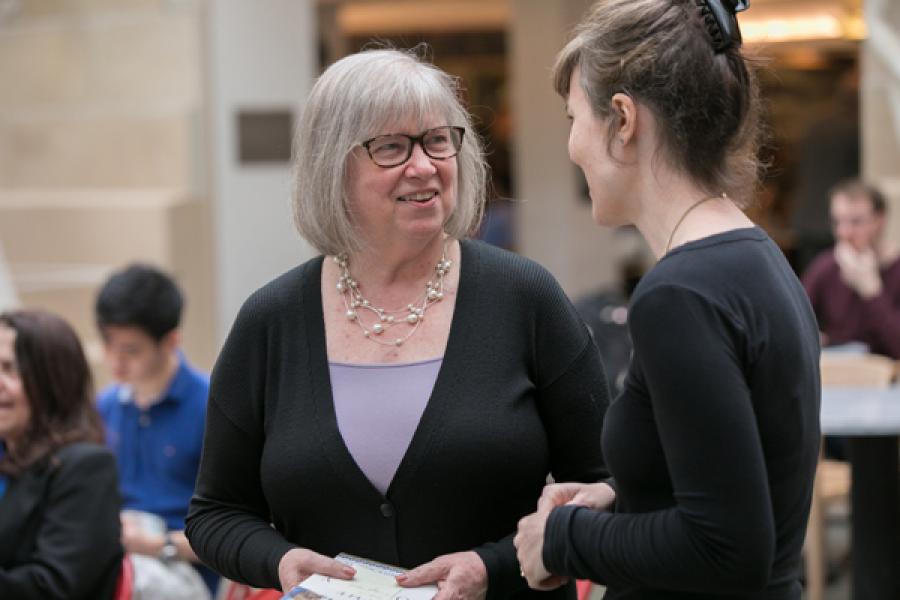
{"x":373,"y":581}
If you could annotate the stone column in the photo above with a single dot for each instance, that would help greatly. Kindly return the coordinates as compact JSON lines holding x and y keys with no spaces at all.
{"x":880,"y":104}
{"x":554,"y":219}
{"x":8,"y":297}
{"x":261,"y":59}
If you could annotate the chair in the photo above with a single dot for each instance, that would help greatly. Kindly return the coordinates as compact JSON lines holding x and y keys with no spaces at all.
{"x":833,"y":478}
{"x":863,"y":370}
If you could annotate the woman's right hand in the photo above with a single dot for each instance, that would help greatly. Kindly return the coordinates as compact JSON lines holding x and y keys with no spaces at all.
{"x":299,"y":563}
{"x":597,"y":496}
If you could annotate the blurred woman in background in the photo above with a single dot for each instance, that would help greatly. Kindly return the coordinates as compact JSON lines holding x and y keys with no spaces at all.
{"x":59,"y":500}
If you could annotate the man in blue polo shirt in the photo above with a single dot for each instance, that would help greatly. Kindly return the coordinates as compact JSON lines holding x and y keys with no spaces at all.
{"x":155,"y":411}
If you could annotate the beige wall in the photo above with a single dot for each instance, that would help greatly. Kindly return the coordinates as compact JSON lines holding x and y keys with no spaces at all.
{"x":98,"y":94}
{"x":101,"y":153}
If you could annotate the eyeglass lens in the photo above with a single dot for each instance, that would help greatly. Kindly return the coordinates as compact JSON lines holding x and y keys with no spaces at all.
{"x":394,"y":149}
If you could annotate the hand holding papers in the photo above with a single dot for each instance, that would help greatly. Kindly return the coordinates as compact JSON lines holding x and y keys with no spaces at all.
{"x":373,"y":581}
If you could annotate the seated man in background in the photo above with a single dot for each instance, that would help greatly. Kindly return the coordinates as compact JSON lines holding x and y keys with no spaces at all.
{"x":155,"y":411}
{"x":855,"y":287}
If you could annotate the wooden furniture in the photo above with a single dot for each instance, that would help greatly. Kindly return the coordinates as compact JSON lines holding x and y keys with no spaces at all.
{"x":863,"y":370}
{"x":858,"y":401}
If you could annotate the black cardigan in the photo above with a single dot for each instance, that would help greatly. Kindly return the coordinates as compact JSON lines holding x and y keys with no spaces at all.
{"x":59,"y":528}
{"x":520,"y":393}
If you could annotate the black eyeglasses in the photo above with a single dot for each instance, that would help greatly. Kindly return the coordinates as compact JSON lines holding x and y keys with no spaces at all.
{"x":395,"y":148}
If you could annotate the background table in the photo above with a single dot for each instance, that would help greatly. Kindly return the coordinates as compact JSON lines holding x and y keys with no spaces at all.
{"x":871,"y":419}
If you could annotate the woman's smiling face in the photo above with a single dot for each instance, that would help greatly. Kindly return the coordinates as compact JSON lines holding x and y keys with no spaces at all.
{"x":590,"y":150}
{"x":411,"y":200}
{"x":15,"y":411}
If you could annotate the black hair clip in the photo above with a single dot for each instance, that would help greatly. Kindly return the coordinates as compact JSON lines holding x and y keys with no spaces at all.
{"x":719,"y":17}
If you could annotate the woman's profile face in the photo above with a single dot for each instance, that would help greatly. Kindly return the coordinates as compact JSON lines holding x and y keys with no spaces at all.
{"x":15,"y":412}
{"x":588,"y":148}
{"x":412,"y":200}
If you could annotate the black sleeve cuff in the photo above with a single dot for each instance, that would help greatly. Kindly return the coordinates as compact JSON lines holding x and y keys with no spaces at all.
{"x":556,"y":539}
{"x":502,"y":567}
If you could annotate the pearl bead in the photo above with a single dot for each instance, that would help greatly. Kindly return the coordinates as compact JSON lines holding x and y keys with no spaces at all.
{"x":416,"y":311}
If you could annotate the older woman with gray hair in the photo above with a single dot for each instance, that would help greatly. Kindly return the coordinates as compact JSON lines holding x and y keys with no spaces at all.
{"x":404,"y":396}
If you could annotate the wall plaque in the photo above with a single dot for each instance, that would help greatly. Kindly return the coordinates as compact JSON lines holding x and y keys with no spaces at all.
{"x":264,"y":136}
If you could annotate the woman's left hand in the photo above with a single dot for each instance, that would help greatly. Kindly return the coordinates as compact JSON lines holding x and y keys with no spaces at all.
{"x":529,"y":543}
{"x":461,"y":575}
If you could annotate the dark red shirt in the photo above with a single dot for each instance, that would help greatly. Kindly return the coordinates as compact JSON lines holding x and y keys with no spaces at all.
{"x":844,"y":316}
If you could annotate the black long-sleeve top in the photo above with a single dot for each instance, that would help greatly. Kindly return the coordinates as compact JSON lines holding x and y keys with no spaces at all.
{"x":713,"y":443}
{"x":59,"y":528}
{"x":520,"y":393}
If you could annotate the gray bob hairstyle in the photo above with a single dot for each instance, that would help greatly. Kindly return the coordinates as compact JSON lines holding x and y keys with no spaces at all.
{"x":355,"y":99}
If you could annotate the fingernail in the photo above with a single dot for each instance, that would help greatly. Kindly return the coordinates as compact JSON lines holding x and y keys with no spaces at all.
{"x":401,"y":577}
{"x":349,"y":571}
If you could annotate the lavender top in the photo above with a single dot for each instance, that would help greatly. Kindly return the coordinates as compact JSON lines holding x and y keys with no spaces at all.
{"x":378,"y":407}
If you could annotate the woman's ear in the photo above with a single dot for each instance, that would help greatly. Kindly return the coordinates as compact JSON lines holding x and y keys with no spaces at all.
{"x":625,"y":111}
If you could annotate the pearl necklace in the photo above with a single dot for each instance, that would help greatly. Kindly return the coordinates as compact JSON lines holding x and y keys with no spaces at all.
{"x":412,"y":314}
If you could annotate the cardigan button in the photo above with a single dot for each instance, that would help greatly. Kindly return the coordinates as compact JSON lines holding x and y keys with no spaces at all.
{"x":387,"y":510}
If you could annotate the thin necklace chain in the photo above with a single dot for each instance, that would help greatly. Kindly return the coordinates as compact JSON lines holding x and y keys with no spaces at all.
{"x":412,"y":314}
{"x":723,"y":196}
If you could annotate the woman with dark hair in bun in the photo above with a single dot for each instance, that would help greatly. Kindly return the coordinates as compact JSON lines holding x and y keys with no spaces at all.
{"x":714,"y":440}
